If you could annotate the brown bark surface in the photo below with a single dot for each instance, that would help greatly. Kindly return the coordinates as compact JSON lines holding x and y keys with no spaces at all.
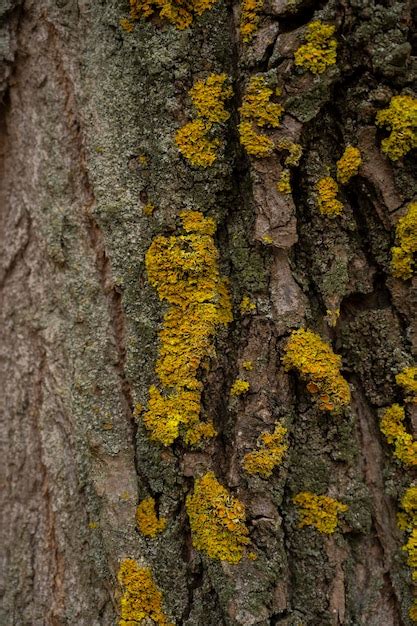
{"x":82,"y":99}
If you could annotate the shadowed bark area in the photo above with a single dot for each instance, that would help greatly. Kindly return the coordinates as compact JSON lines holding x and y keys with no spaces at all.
{"x":88,"y":118}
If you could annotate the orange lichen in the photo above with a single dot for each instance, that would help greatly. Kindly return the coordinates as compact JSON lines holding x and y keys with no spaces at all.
{"x":348,"y":165}
{"x":258,"y":110}
{"x":403,"y":254}
{"x":141,"y":599}
{"x":327,"y":202}
{"x":272,"y":448}
{"x":184,"y":270}
{"x":401,"y":119}
{"x":392,"y":425}
{"x":147,"y":519}
{"x":315,"y":360}
{"x":318,"y":511}
{"x":217,"y":520}
{"x":320,"y":50}
{"x":239,"y":387}
{"x":177,"y":12}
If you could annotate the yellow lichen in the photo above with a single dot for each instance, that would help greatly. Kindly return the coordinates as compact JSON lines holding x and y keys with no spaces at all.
{"x":184,"y":270}
{"x":249,"y":18}
{"x":192,"y":139}
{"x":327,"y":202}
{"x":403,"y":262}
{"x":126,"y":25}
{"x":257,"y":106}
{"x":217,"y":520}
{"x":270,"y":454}
{"x":348,"y":164}
{"x":401,"y":119}
{"x":320,"y":50}
{"x":316,"y":362}
{"x":141,"y":597}
{"x":254,"y":143}
{"x":392,"y":425}
{"x":147,"y":519}
{"x":407,"y":521}
{"x":193,"y":143}
{"x":247,"y":305}
{"x":284,"y":183}
{"x":247,"y":365}
{"x":407,"y":379}
{"x":209,"y":96}
{"x":177,"y":12}
{"x":148,"y":209}
{"x":239,"y":387}
{"x":318,"y":511}
{"x":257,"y":110}
{"x":332,"y":315}
{"x":295,"y":151}
{"x":412,"y":612}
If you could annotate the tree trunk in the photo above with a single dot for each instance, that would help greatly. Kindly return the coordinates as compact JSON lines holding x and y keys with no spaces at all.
{"x":91,"y":175}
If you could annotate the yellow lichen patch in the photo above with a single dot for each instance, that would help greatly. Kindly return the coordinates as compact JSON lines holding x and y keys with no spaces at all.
{"x":177,"y":12}
{"x":249,"y":18}
{"x":193,"y":143}
{"x":284,"y":183}
{"x":315,"y":360}
{"x":407,"y":379}
{"x":141,"y":597}
{"x":126,"y":25}
{"x":318,"y":511}
{"x":403,"y":262}
{"x":258,"y":110}
{"x":257,"y":106}
{"x":348,"y":164}
{"x":255,"y":144}
{"x":217,"y":520}
{"x":247,"y":305}
{"x":332,"y":315}
{"x":147,"y":519}
{"x":401,"y":119}
{"x":392,"y":425}
{"x":407,"y":521}
{"x":272,"y":448}
{"x":209,"y":96}
{"x":148,"y":209}
{"x":320,"y":50}
{"x":184,"y":270}
{"x":327,"y":202}
{"x":295,"y":152}
{"x":412,"y":613}
{"x":239,"y":387}
{"x":247,"y":365}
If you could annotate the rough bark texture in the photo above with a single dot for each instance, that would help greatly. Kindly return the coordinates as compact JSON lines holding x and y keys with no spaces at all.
{"x":82,"y":98}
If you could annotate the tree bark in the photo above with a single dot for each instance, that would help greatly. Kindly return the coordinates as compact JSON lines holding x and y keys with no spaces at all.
{"x":83,"y":101}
